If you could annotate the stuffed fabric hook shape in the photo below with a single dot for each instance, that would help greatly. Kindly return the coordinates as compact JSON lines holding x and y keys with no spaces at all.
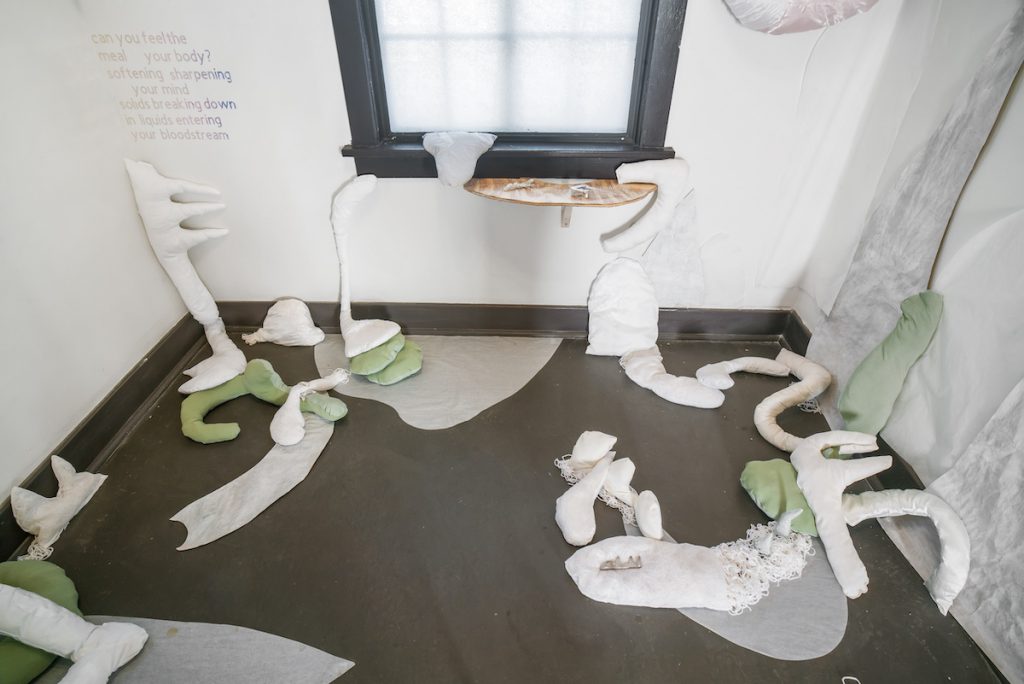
{"x":162,"y":217}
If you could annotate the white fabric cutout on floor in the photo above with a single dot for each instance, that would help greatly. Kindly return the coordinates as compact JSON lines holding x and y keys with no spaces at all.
{"x":288,"y":323}
{"x":364,"y":335}
{"x":623,"y":310}
{"x":96,"y":650}
{"x":822,"y":481}
{"x":574,"y":510}
{"x":205,"y":653}
{"x":717,"y":375}
{"x":162,"y":217}
{"x":645,"y":368}
{"x":241,"y":500}
{"x":45,"y":518}
{"x":672,"y":177}
{"x":814,"y":379}
{"x":455,"y":154}
{"x":466,"y":375}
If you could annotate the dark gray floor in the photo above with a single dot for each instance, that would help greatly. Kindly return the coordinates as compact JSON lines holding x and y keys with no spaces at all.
{"x":434,"y":557}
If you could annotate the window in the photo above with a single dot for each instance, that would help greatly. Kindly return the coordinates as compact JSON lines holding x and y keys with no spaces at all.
{"x":572,"y":88}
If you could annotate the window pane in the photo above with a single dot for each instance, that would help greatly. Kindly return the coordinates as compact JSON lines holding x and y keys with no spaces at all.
{"x":508,"y":65}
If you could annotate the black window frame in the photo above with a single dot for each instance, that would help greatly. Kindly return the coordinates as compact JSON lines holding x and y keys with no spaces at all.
{"x":377,"y":150}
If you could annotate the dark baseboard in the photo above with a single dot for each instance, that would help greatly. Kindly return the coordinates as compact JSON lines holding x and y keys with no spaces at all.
{"x":99,"y":433}
{"x":555,"y":321}
{"x":95,"y":438}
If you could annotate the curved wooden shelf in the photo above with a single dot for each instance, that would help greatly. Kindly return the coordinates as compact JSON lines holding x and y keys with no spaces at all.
{"x":604,"y":192}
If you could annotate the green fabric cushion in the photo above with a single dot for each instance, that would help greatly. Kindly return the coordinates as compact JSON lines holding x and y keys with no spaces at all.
{"x":378,"y":358}
{"x":772,"y":486}
{"x":262,"y":381}
{"x":408,"y":363}
{"x":872,"y":390}
{"x":20,"y":664}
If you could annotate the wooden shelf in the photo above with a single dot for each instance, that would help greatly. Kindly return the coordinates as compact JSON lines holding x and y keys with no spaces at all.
{"x":603,"y":192}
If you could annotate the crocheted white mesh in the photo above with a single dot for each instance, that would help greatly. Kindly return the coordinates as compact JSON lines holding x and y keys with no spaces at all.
{"x":750,"y":573}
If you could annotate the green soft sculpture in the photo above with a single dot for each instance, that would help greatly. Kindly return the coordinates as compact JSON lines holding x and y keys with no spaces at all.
{"x":772,"y":486}
{"x":378,"y":358}
{"x":408,"y":363}
{"x":20,"y":664}
{"x":870,"y":394}
{"x":260,"y":380}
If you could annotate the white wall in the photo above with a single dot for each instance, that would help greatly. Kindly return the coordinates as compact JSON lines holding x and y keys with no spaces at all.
{"x":91,"y":298}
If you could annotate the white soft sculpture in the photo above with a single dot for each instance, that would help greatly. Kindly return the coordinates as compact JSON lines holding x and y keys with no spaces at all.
{"x":360,"y":336}
{"x":96,"y":650}
{"x":288,"y":323}
{"x":637,"y":571}
{"x":950,"y":576}
{"x":648,"y":514}
{"x":45,"y":518}
{"x":822,"y":481}
{"x":162,"y":217}
{"x":672,"y":177}
{"x":288,"y":426}
{"x":645,"y":368}
{"x":591,"y":446}
{"x":814,"y":380}
{"x":574,"y":510}
{"x":623,"y":310}
{"x":456,"y":153}
{"x":793,"y":16}
{"x":718,"y":375}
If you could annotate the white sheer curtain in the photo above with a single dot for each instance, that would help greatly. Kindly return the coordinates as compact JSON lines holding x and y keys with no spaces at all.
{"x":508,"y":65}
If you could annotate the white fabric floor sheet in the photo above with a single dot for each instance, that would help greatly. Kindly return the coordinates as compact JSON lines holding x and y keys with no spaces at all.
{"x":200,"y":652}
{"x":461,"y":376}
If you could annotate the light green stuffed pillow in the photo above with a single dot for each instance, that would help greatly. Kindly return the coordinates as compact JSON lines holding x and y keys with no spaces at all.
{"x":872,"y":390}
{"x":378,"y":358}
{"x":772,"y":486}
{"x":20,"y":664}
{"x":408,"y":363}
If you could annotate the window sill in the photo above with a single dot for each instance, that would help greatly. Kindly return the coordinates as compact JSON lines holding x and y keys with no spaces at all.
{"x":507,"y":160}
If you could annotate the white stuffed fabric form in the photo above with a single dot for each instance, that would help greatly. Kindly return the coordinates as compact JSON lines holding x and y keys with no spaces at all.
{"x":288,"y":323}
{"x":455,"y":154}
{"x":717,"y":375}
{"x":950,"y":576}
{"x":645,"y":368}
{"x":288,"y":427}
{"x":822,"y":481}
{"x":729,"y":577}
{"x":45,"y":518}
{"x":591,"y":446}
{"x":574,"y":510}
{"x":793,"y":16}
{"x":360,"y":336}
{"x":814,"y":379}
{"x":672,"y":177}
{"x":623,"y":310}
{"x":97,"y":651}
{"x":162,"y":217}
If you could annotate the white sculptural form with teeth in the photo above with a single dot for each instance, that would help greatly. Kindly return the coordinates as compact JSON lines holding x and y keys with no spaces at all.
{"x":162,"y":217}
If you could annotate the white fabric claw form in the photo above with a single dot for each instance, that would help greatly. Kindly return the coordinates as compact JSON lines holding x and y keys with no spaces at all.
{"x":822,"y":481}
{"x":162,"y":217}
{"x":793,"y":16}
{"x":45,"y":518}
{"x":648,"y":514}
{"x":729,"y":577}
{"x":288,"y":323}
{"x":623,"y":310}
{"x":645,"y":368}
{"x":718,"y":375}
{"x":288,"y":426}
{"x":672,"y":177}
{"x":949,"y":578}
{"x":814,"y":379}
{"x":360,"y":336}
{"x":455,"y":154}
{"x":96,"y":650}
{"x":574,"y":510}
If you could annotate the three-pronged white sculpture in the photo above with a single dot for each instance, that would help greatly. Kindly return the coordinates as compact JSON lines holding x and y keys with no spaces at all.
{"x":288,"y":426}
{"x":162,"y":217}
{"x":46,"y":518}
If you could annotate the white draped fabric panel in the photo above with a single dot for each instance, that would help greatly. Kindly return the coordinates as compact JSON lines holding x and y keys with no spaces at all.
{"x":508,"y":65}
